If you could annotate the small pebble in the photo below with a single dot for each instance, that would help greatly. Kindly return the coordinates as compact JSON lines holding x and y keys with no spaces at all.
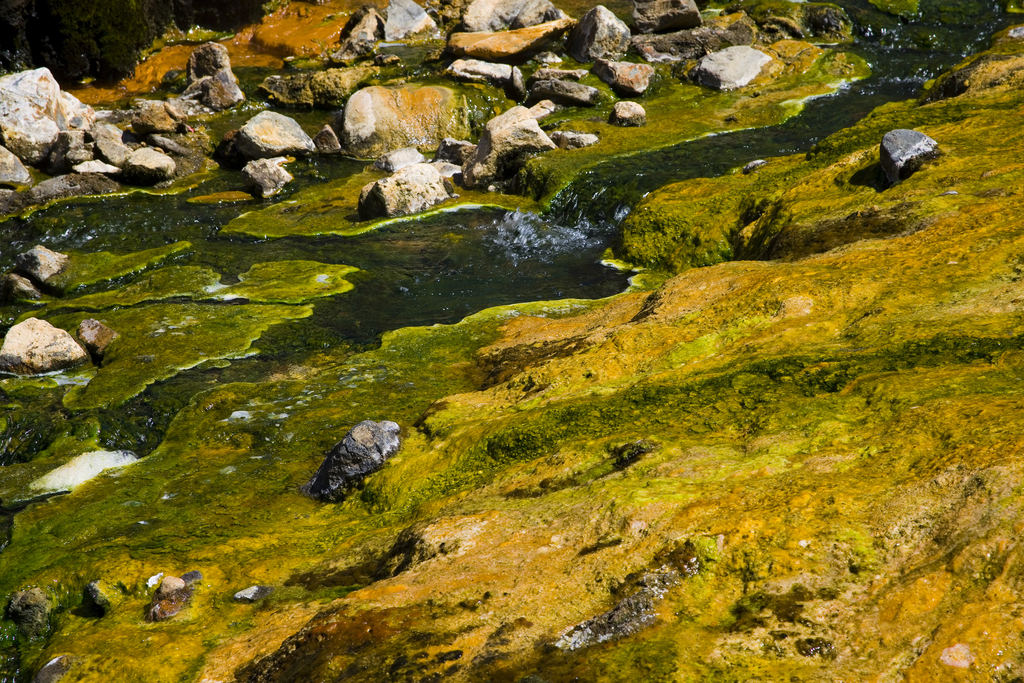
{"x":253,"y":594}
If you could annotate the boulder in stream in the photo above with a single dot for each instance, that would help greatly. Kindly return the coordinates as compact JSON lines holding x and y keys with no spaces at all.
{"x":504,"y":144}
{"x":148,"y":166}
{"x":70,"y":149}
{"x":34,"y":346}
{"x":170,"y":598}
{"x":360,"y":35}
{"x":565,"y":93}
{"x":95,"y":336}
{"x":904,"y":151}
{"x":659,"y":16}
{"x":15,"y":288}
{"x":731,"y":68}
{"x":599,"y":35}
{"x":54,"y":670}
{"x":496,"y":15}
{"x":413,"y":189}
{"x":406,"y":19}
{"x":108,"y":144}
{"x":454,"y":151}
{"x":397,"y":159}
{"x":716,"y":34}
{"x":571,"y":139}
{"x":210,"y":80}
{"x":508,"y":46}
{"x":627,"y":79}
{"x":628,"y":114}
{"x":40,"y":263}
{"x":363,"y":450}
{"x":253,"y":594}
{"x":152,"y":116}
{"x":269,"y":134}
{"x":266,"y":177}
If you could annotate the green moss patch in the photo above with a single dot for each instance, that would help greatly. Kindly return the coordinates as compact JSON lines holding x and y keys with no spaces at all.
{"x":101,"y":266}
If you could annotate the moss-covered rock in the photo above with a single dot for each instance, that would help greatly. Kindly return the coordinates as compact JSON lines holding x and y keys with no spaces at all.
{"x":102,"y":266}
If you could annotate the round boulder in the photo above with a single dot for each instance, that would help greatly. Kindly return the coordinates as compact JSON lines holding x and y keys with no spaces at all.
{"x":35,"y":346}
{"x":269,"y":134}
{"x":147,"y":166}
{"x":627,"y":114}
{"x":599,"y":35}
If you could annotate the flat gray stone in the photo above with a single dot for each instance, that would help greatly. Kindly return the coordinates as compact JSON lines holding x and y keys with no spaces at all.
{"x":253,"y":594}
{"x":731,"y":68}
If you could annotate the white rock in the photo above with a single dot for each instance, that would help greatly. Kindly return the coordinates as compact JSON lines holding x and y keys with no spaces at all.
{"x":407,"y":19}
{"x":33,"y":110}
{"x":96,"y":166}
{"x":81,"y":469}
{"x":730,"y":68}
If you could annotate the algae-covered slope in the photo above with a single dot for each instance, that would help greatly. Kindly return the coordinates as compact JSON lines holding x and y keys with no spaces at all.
{"x":804,"y":469}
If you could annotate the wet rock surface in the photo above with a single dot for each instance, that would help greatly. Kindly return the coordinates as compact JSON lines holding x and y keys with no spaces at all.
{"x":565,"y":93}
{"x":568,"y":139}
{"x":360,"y":35}
{"x":508,"y":46}
{"x":253,"y":594}
{"x":152,"y":116}
{"x":95,"y":336}
{"x":40,"y":263}
{"x":412,"y":189}
{"x":171,"y":597}
{"x":503,"y":144}
{"x":269,"y":134}
{"x":625,"y":78}
{"x":30,"y":611}
{"x":148,"y":166}
{"x":266,"y":177}
{"x":731,"y":68}
{"x":398,"y":159}
{"x":34,"y":346}
{"x":363,"y":451}
{"x":598,"y":35}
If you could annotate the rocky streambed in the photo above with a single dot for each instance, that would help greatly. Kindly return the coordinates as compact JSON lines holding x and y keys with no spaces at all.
{"x":518,"y":342}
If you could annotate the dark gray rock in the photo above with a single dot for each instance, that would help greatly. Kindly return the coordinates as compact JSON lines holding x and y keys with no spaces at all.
{"x":70,"y":185}
{"x":731,"y":68}
{"x":454,"y":151}
{"x":266,"y":177}
{"x":253,"y":594}
{"x":565,"y":93}
{"x":217,"y":92}
{"x":397,"y":159}
{"x":30,"y":611}
{"x":548,"y":74}
{"x":363,"y":450}
{"x":536,"y":12}
{"x":326,"y":141}
{"x":659,"y":16}
{"x":95,"y":337}
{"x":598,"y":35}
{"x":627,"y":114}
{"x":101,"y":597}
{"x":625,"y":78}
{"x":192,"y":578}
{"x":206,"y":60}
{"x":904,"y":151}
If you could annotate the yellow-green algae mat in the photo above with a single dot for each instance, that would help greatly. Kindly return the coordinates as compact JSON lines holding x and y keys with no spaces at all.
{"x":158,"y":341}
{"x":829,"y":474}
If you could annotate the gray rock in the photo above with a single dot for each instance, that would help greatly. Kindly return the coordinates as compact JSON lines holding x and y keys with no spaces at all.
{"x":658,"y":16}
{"x":570,"y":139}
{"x":17,"y":288}
{"x":753,"y":166}
{"x":326,"y":141}
{"x":108,"y":145}
{"x":382,"y":118}
{"x":363,"y":450}
{"x":628,"y":114}
{"x":497,"y":15}
{"x":360,"y":35}
{"x":546,"y":74}
{"x":266,"y":177}
{"x":96,"y":166}
{"x":207,"y":60}
{"x":34,"y":346}
{"x":168,"y":145}
{"x":411,"y":190}
{"x":327,"y":89}
{"x":147,"y":166}
{"x":694,"y":43}
{"x":33,"y":110}
{"x":12,"y":171}
{"x":904,"y":151}
{"x":218,"y":92}
{"x":95,"y":336}
{"x":398,"y":159}
{"x":598,"y":35}
{"x":30,"y":611}
{"x":625,"y":78}
{"x":70,"y":185}
{"x":536,"y":12}
{"x":253,"y":594}
{"x":454,"y":151}
{"x":152,"y":116}
{"x":54,"y":670}
{"x":69,"y":150}
{"x":269,"y":134}
{"x":565,"y":93}
{"x":446,"y":169}
{"x":504,"y":144}
{"x":480,"y":71}
{"x":407,"y":19}
{"x":731,"y":68}
{"x":40,"y":263}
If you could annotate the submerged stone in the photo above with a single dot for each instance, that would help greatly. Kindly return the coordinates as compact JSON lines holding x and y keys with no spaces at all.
{"x":30,"y":611}
{"x":363,"y":450}
{"x":96,"y":336}
{"x":54,"y":670}
{"x":172,"y":596}
{"x":81,"y":469}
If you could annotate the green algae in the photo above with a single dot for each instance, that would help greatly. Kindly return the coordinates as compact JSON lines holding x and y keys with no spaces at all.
{"x":160,"y":340}
{"x":902,"y":8}
{"x":284,"y":282}
{"x":89,"y":269}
